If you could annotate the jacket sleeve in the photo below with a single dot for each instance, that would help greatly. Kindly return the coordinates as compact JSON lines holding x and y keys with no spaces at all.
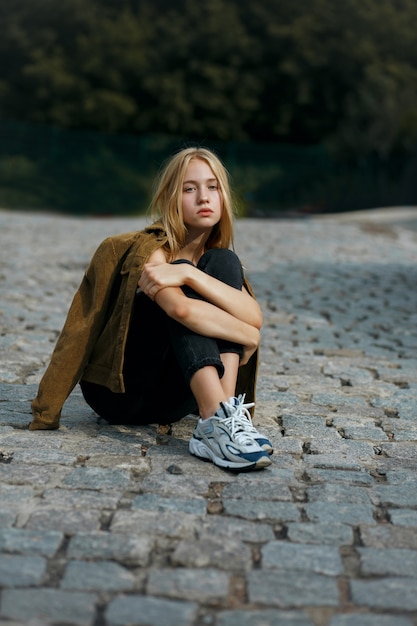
{"x":74,"y":345}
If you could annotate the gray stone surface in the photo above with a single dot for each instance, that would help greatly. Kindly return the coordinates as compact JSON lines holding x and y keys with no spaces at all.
{"x":109,"y":526}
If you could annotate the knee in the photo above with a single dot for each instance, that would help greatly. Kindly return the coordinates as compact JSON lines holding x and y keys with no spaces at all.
{"x":224,"y":265}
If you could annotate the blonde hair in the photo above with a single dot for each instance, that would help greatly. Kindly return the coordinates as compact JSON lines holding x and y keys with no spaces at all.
{"x":166,"y":205}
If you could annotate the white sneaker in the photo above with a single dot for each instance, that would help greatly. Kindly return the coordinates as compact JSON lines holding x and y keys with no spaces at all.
{"x":224,"y":439}
{"x":263,"y":441}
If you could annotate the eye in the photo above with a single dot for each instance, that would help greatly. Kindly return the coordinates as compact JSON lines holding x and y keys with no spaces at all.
{"x":189,"y":189}
{"x":213,"y":186}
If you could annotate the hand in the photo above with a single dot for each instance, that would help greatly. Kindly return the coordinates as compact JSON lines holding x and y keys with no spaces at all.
{"x":250,"y":348}
{"x":157,"y":276}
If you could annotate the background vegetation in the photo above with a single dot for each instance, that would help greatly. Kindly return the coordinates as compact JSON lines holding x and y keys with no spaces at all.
{"x":252,"y":79}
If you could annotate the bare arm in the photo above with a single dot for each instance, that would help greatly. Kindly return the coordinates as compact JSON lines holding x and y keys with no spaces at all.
{"x":161,"y":281}
{"x":158,"y":274}
{"x":207,"y":319}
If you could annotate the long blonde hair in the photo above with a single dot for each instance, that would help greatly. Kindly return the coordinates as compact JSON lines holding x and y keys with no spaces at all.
{"x":166,"y":205}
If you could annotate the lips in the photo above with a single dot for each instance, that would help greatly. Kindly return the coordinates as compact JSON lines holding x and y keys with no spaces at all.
{"x":205,"y":212}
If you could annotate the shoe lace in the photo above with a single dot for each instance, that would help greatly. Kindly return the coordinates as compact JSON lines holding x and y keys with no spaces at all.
{"x":239,"y":420}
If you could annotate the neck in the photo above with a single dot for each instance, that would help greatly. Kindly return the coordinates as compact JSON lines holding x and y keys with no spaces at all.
{"x":194,"y":248}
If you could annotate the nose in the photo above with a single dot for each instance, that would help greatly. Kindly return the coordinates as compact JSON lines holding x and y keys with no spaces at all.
{"x":203,"y":195}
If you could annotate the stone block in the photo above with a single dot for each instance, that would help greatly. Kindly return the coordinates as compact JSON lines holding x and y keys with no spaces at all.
{"x":208,"y":553}
{"x":267,"y":617}
{"x":21,"y":571}
{"x":331,"y":492}
{"x":385,"y":593}
{"x":403,"y":517}
{"x":367,"y":619}
{"x":97,"y":576}
{"x":145,"y":611}
{"x":262,"y":510}
{"x":156,"y":502}
{"x":53,"y":605}
{"x":388,"y":536}
{"x":261,"y":489}
{"x":64,"y":520}
{"x":24,"y":541}
{"x":97,"y":478}
{"x":321,"y":534}
{"x":152,"y":523}
{"x":292,"y":589}
{"x":129,"y":549}
{"x":339,"y":513}
{"x":232,"y":527}
{"x":388,"y":562}
{"x":282,"y":555}
{"x":207,"y":586}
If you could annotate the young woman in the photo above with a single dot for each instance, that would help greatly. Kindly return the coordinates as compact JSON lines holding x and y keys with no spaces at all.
{"x":164,"y":323}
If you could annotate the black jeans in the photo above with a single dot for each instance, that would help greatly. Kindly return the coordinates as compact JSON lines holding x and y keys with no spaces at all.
{"x":162,"y":355}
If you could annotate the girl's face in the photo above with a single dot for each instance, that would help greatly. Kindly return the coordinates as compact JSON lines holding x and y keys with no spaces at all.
{"x":202,"y":202}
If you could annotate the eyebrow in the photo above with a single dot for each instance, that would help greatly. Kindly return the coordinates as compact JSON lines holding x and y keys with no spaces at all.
{"x":208,"y":180}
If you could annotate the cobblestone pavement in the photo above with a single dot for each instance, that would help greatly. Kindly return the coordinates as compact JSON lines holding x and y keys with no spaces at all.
{"x":118,"y":526}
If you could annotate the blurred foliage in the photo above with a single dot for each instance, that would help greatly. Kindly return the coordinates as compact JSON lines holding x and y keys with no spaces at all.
{"x":90,"y":172}
{"x":313,"y":105}
{"x":344,"y":73}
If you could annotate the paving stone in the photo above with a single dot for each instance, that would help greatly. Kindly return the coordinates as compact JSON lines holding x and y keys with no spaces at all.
{"x":332,"y":461}
{"x":40,"y":457}
{"x":260,"y":489}
{"x":337,"y":376}
{"x":282,"y":445}
{"x":230,"y":528}
{"x":360,"y":450}
{"x":179,"y":486}
{"x":208,"y":586}
{"x":21,"y":571}
{"x":386,"y":593}
{"x":262,"y":510}
{"x":363,"y":619}
{"x":371,"y":433}
{"x":97,"y":576}
{"x":329,"y":492}
{"x":80,"y":499}
{"x":65,"y":520}
{"x":292,"y":589}
{"x":145,"y":611}
{"x":32,"y":475}
{"x":130,"y":549}
{"x":307,"y":426}
{"x":214,"y":552}
{"x":388,"y":536}
{"x":49,"y":604}
{"x":97,"y":478}
{"x":403,"y":517}
{"x":341,"y":399}
{"x":340,"y":476}
{"x":388,"y":562}
{"x":7,"y":518}
{"x":155,"y":502}
{"x":267,"y":617}
{"x":337,"y":512}
{"x":120,"y":461}
{"x":322,"y":534}
{"x":15,"y":497}
{"x":396,"y":495}
{"x":44,"y":543}
{"x":154,"y":523}
{"x":286,"y":556}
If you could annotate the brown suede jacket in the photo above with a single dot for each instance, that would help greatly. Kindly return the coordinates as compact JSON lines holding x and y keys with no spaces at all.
{"x":92,"y":342}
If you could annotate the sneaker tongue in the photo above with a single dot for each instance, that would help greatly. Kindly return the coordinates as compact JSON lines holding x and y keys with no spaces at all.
{"x":223,"y":411}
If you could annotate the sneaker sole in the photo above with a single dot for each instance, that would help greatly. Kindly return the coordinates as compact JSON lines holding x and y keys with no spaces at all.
{"x":199,"y":449}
